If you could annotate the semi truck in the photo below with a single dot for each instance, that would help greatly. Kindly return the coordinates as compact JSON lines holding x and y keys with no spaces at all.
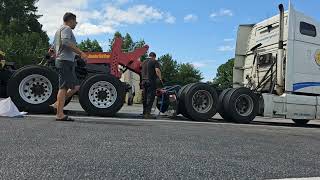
{"x":276,"y":70}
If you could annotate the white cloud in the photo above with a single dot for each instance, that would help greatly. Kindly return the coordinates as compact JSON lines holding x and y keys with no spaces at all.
{"x":138,"y":14}
{"x":221,"y":12}
{"x":226,"y":48}
{"x":92,"y":29}
{"x":228,"y":40}
{"x":198,"y":64}
{"x":190,"y":18}
{"x":97,"y":21}
{"x":170,"y":19}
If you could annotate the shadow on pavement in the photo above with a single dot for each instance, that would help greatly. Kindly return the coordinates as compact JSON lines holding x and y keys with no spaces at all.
{"x":181,"y":118}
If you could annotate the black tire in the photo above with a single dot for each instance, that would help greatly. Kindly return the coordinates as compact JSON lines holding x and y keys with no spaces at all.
{"x":181,"y":100}
{"x":92,"y":109}
{"x":223,"y":113}
{"x":230,"y":104}
{"x":300,"y":122}
{"x":21,"y":101}
{"x":5,"y":75}
{"x":206,"y":91}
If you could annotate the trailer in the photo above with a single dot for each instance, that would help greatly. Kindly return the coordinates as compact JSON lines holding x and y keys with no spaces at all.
{"x":34,"y":88}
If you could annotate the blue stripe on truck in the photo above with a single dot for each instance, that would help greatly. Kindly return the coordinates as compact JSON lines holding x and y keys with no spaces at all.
{"x":302,"y":85}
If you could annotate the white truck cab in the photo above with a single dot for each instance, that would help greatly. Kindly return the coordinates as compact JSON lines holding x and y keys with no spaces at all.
{"x":278,"y":59}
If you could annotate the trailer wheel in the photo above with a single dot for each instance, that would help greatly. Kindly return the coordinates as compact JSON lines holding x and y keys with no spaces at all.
{"x":200,"y":101}
{"x":181,"y":100}
{"x":33,"y":89}
{"x":242,"y":105}
{"x":223,"y":112}
{"x":300,"y":122}
{"x":102,"y":95}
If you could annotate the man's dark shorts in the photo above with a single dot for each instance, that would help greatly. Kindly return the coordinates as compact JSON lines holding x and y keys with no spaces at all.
{"x":67,"y":75}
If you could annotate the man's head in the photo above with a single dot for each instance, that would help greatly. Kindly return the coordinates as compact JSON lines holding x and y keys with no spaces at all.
{"x":152,"y":55}
{"x":70,"y":20}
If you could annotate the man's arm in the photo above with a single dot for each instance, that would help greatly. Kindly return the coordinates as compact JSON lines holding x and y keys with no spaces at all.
{"x":158,"y":72}
{"x":77,"y":50}
{"x":65,"y":40}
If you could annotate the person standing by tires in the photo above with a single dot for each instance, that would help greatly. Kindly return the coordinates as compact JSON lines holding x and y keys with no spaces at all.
{"x":149,"y":74}
{"x":65,"y":49}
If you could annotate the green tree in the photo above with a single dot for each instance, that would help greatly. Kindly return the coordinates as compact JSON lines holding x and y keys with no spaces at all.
{"x":90,"y":46}
{"x":224,"y":75}
{"x":169,"y":68}
{"x":140,"y":44}
{"x":128,"y":43}
{"x":116,"y":35}
{"x":21,"y":34}
{"x":187,"y":73}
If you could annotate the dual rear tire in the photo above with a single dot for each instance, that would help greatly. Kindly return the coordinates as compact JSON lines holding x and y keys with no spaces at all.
{"x":238,"y":105}
{"x":197,"y":101}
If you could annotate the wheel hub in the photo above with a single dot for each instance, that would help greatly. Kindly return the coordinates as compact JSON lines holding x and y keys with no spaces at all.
{"x":102,"y":95}
{"x":202,"y":101}
{"x":37,"y":90}
{"x":244,"y":105}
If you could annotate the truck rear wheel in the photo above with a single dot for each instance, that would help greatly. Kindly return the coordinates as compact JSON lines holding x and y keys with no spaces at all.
{"x":200,"y":101}
{"x":242,"y":105}
{"x":300,"y":122}
{"x":181,"y":103}
{"x":102,"y":95}
{"x":223,"y":112}
{"x":33,"y":89}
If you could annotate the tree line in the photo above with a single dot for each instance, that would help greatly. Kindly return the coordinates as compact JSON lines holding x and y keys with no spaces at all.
{"x":24,"y":41}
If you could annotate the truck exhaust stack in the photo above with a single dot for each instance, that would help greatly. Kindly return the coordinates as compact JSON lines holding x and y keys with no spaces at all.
{"x":280,"y":82}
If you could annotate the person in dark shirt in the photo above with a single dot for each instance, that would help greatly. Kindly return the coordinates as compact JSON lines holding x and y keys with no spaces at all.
{"x":149,"y":74}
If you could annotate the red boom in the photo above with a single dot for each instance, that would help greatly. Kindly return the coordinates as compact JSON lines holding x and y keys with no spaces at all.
{"x":116,"y":57}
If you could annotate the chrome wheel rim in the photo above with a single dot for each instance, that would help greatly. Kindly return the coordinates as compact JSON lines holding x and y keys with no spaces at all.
{"x":102,"y":94}
{"x":35,"y":89}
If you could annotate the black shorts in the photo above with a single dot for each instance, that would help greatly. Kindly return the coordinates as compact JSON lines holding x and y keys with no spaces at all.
{"x":67,"y":74}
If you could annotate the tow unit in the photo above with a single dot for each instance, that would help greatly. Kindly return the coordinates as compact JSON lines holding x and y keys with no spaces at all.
{"x":276,"y":70}
{"x":34,"y":88}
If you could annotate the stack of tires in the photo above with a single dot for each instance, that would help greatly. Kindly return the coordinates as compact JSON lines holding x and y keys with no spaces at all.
{"x":34,"y":88}
{"x":197,"y":101}
{"x":238,"y":105}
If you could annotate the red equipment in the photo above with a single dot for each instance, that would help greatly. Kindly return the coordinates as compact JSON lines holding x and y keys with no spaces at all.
{"x":116,"y":57}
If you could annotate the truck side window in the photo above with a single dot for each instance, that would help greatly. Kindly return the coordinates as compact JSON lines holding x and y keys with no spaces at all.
{"x":308,"y":29}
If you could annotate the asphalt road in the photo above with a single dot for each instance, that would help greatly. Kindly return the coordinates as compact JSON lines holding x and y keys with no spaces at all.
{"x":127,"y":147}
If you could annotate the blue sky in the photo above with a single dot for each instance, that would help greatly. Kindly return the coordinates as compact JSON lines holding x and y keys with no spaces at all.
{"x":199,"y":32}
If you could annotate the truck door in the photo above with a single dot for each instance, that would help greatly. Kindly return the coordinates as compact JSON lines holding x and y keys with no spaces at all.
{"x":304,"y":75}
